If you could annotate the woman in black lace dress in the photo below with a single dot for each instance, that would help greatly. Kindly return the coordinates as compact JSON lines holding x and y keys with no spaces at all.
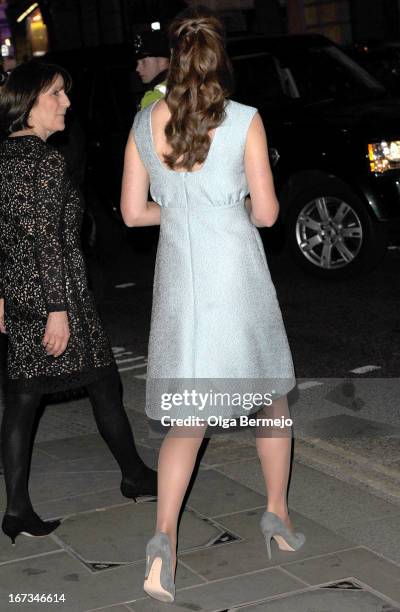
{"x":56,"y":339}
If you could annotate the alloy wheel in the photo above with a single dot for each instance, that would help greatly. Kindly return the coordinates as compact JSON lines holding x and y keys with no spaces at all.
{"x":329,"y":232}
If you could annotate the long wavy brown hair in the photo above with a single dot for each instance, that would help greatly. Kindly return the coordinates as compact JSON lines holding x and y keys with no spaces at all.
{"x":199,"y":81}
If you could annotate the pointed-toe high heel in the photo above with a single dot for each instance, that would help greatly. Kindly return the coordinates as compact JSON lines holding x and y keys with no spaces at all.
{"x":159,"y":580}
{"x":273,"y":527}
{"x":32,"y":526}
{"x":145,"y":483}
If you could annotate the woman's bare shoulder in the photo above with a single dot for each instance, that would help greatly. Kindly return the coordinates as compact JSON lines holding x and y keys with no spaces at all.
{"x":160,"y":115}
{"x":160,"y":110}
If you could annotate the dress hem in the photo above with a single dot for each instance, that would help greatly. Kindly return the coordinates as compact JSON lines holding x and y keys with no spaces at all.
{"x":52,"y":384}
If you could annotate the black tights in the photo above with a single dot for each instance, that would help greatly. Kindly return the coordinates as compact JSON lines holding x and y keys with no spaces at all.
{"x":18,"y":425}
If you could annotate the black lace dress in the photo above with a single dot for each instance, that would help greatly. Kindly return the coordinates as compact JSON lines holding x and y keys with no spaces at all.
{"x":42,"y":270}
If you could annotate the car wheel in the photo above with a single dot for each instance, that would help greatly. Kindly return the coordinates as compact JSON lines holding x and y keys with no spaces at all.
{"x":331,"y":234}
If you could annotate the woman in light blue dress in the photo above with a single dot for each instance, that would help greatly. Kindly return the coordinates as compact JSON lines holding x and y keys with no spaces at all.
{"x":216,"y":323}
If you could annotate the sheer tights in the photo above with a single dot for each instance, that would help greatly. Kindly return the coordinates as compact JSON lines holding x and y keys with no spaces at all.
{"x":178,"y":455}
{"x":17,"y":430}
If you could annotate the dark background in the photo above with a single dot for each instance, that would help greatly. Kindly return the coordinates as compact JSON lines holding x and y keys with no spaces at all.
{"x":74,"y":24}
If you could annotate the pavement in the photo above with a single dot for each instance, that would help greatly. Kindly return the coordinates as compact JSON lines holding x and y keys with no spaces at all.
{"x":95,"y":559}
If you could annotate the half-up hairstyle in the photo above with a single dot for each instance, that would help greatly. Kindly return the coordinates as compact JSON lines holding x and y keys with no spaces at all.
{"x":199,"y":81}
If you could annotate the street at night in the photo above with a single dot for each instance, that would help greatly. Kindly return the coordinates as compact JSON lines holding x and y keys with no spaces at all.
{"x":154,"y":113}
{"x":333,"y":327}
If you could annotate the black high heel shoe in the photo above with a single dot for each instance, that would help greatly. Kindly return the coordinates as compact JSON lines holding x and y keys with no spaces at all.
{"x":32,"y":526}
{"x":145,"y":483}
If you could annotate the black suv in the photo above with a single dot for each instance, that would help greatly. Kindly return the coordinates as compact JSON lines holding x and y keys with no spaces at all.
{"x":337,"y":132}
{"x":335,"y":128}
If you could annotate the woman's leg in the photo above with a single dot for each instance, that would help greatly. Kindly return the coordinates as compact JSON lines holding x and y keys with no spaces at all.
{"x":176,"y":461}
{"x":274,"y":451}
{"x":113,"y":424}
{"x":16,"y":443}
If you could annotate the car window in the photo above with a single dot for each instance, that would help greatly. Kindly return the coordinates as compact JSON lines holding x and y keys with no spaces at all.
{"x":322,"y":73}
{"x":258,"y":78}
{"x":384,"y":64}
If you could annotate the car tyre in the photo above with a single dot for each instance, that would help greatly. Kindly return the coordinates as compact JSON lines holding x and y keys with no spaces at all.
{"x":331,"y":233}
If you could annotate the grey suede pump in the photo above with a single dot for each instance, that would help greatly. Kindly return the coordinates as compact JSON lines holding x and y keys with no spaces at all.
{"x":159,"y":579}
{"x":273,"y":527}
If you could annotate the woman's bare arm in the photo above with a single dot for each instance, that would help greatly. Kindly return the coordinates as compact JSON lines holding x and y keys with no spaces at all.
{"x":2,"y":324}
{"x":264,"y":207}
{"x":136,"y":210}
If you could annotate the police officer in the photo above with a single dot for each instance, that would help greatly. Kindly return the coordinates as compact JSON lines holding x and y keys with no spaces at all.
{"x":152,"y":53}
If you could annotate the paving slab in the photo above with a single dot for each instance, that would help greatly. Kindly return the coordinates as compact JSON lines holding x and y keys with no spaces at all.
{"x":68,"y":506}
{"x":42,"y":462}
{"x":223,"y":594}
{"x":214,"y":494}
{"x":247,"y":472}
{"x":25,"y":547}
{"x":83,"y":590}
{"x":318,"y":496}
{"x":375,"y":571}
{"x":250,"y":554}
{"x":53,"y":487}
{"x":333,"y":502}
{"x":227,"y":452}
{"x":66,"y":419}
{"x":85,"y":447}
{"x":381,"y":535}
{"x":120,"y":534}
{"x":77,"y":447}
{"x":77,"y":483}
{"x":334,"y":600}
{"x":117,"y":608}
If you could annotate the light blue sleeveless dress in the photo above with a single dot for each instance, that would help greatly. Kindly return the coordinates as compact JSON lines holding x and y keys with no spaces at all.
{"x":216,"y":322}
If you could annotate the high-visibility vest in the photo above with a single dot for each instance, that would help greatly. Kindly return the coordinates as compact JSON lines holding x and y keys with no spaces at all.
{"x":152,"y":95}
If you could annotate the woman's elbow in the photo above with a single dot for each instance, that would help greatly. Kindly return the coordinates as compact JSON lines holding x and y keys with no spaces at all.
{"x":268,"y":218}
{"x":127,"y":219}
{"x":128,"y":216}
{"x":131,"y":222}
{"x":271,"y":220}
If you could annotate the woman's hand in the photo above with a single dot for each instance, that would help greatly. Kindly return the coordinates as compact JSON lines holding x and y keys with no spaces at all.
{"x":56,"y":334}
{"x":2,"y":324}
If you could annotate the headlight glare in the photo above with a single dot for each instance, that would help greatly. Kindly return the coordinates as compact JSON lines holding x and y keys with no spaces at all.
{"x":384,"y":156}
